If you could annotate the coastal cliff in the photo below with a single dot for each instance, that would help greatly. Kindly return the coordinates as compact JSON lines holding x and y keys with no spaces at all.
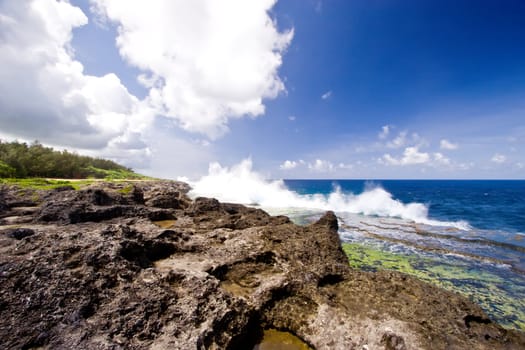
{"x":134,"y":265}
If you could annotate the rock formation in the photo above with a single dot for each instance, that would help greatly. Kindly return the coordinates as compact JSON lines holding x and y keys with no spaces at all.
{"x":140,"y":265}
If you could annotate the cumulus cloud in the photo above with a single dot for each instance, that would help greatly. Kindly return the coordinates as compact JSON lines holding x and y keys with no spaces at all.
{"x":288,"y":165}
{"x":411,"y":156}
{"x":44,"y":92}
{"x":318,"y":165}
{"x":326,"y":95}
{"x":399,"y":141}
{"x":385,"y":130}
{"x":345,"y":166}
{"x":447,"y":145}
{"x":440,"y":159}
{"x":204,"y":61}
{"x":403,"y":139}
{"x":498,"y":158}
{"x":321,"y":166}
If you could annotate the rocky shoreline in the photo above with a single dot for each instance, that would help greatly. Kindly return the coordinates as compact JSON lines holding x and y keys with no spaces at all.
{"x":134,"y":265}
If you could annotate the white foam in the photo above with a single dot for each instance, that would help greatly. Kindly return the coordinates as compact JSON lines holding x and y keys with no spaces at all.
{"x":240,"y":184}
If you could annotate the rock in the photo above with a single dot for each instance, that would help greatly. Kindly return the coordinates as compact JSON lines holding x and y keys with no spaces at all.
{"x":168,"y":195}
{"x":95,"y":205}
{"x":203,"y":205}
{"x":20,"y":233}
{"x":100,"y":274}
{"x":3,"y":205}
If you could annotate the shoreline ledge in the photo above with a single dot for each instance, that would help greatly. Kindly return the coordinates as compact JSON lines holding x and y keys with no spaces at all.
{"x":138,"y":265}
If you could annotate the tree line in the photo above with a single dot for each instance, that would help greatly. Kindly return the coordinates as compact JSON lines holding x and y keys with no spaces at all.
{"x":19,"y":160}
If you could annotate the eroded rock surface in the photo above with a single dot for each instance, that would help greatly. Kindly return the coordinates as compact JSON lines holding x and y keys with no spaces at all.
{"x":140,"y":265}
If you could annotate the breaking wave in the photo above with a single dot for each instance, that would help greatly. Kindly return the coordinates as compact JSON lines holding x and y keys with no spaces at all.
{"x":241,"y":184}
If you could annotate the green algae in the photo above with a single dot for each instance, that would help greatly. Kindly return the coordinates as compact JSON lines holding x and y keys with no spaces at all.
{"x":362,"y":257}
{"x":494,"y":293}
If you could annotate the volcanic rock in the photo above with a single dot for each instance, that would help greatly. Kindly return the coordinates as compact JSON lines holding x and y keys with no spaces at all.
{"x":140,"y":265}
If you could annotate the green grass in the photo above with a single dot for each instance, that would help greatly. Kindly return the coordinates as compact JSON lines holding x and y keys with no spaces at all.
{"x":45,"y":184}
{"x":49,"y":184}
{"x":126,"y":189}
{"x":116,"y":174}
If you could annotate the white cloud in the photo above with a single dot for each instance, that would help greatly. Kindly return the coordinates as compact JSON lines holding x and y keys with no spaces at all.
{"x":399,"y":141}
{"x":466,"y":166}
{"x":345,"y":166}
{"x":411,"y":156}
{"x":326,"y":95}
{"x":385,"y":130}
{"x":440,"y":159}
{"x":498,"y":158}
{"x":288,"y":165}
{"x":44,"y":92}
{"x":205,"y":61}
{"x":322,"y":166}
{"x":292,"y":118}
{"x":447,"y":145}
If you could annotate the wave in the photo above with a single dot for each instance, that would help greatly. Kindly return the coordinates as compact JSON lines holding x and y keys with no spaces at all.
{"x":241,"y":184}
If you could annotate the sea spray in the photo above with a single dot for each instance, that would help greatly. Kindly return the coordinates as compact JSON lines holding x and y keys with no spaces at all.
{"x":241,"y":184}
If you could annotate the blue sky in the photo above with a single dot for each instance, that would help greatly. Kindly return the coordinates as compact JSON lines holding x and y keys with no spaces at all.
{"x":307,"y":89}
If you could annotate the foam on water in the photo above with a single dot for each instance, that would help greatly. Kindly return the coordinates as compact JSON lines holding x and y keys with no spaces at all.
{"x":241,"y":184}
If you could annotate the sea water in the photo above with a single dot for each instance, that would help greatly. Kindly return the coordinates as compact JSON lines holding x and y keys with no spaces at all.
{"x":465,"y":236}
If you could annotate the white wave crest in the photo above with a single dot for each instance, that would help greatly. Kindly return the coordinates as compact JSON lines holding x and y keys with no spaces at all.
{"x":240,"y":184}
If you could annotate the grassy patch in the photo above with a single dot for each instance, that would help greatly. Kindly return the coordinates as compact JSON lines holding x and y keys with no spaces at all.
{"x":49,"y":184}
{"x":119,"y":174}
{"x":45,"y":184}
{"x":126,"y":189}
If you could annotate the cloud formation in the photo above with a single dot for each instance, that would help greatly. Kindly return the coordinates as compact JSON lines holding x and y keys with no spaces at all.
{"x":288,"y":165}
{"x":44,"y":92}
{"x":411,"y":156}
{"x":316,"y":166}
{"x":321,"y":166}
{"x":447,"y":145}
{"x":204,"y":61}
{"x":326,"y":95}
{"x":498,"y":158}
{"x":385,"y":130}
{"x":440,"y":159}
{"x":399,"y":141}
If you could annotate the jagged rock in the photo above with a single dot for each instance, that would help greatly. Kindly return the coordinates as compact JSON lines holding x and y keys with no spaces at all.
{"x":96,"y":272}
{"x":167,"y":195}
{"x":95,"y":205}
{"x":3,"y":207}
{"x":19,"y":233}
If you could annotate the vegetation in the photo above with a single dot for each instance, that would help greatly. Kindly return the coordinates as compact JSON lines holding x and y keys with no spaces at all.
{"x":20,"y":160}
{"x":46,"y":184}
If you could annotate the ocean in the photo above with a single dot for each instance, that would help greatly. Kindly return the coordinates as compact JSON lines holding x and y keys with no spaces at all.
{"x":462,"y":235}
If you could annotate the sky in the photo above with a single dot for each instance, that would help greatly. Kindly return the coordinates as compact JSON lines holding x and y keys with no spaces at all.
{"x":336,"y":89}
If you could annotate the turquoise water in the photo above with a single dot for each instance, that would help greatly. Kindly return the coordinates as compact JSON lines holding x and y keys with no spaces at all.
{"x":467,"y":236}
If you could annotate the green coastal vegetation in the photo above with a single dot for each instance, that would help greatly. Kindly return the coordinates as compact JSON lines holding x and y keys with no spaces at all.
{"x":36,"y":165}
